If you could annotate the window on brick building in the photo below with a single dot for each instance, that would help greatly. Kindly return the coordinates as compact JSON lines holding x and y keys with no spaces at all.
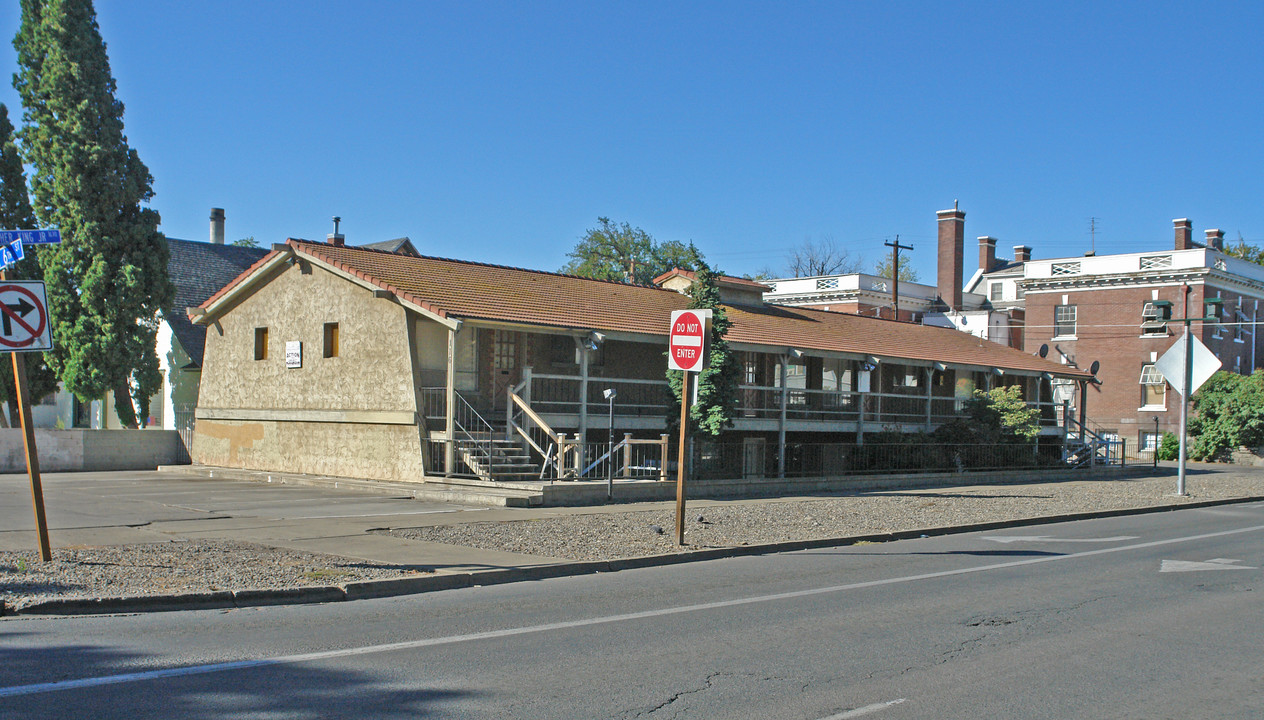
{"x":1149,"y":441}
{"x":1064,"y":321}
{"x":1151,"y":323}
{"x":1153,"y":387}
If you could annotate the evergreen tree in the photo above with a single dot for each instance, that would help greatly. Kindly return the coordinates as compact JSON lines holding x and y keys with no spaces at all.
{"x":718,"y":381}
{"x":16,"y":214}
{"x":107,"y":281}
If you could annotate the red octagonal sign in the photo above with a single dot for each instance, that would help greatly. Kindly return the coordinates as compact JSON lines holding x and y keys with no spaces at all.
{"x":686,"y":348}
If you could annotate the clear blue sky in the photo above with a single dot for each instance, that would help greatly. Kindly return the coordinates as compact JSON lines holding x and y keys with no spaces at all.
{"x":499,"y":132}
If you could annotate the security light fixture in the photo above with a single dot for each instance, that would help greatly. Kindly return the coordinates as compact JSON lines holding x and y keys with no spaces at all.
{"x":610,"y":393}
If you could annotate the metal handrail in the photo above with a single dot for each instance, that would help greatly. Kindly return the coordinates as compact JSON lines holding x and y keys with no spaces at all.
{"x":466,"y":410}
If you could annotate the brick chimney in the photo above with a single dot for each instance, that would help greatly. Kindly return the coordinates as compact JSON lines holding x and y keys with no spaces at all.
{"x":1215,"y":239}
{"x":952,"y":238}
{"x":336,"y":238}
{"x":1022,"y":253}
{"x":217,"y":226}
{"x":1184,"y":233}
{"x":987,"y":253}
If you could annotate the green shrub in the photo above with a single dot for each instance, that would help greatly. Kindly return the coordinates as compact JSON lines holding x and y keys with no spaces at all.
{"x":1169,"y":447}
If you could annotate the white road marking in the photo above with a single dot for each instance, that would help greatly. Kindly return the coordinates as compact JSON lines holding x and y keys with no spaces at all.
{"x":1191,"y":566}
{"x":587,"y":622}
{"x":858,"y":712}
{"x":1046,"y":538}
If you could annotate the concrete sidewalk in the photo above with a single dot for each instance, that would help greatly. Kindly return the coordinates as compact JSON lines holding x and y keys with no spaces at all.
{"x":135,"y":508}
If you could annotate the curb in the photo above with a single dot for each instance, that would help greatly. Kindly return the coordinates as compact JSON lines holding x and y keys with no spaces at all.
{"x":366,"y":589}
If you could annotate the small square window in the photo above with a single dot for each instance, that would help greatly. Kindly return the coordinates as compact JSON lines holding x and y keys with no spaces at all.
{"x":261,"y":343}
{"x":331,"y":340}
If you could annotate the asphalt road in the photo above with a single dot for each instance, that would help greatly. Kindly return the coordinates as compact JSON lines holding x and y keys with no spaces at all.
{"x":1150,"y":616}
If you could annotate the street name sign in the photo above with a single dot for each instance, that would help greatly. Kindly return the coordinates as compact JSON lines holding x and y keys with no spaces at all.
{"x":11,"y":253}
{"x":24,"y":325}
{"x":30,"y":237}
{"x":687,"y":341}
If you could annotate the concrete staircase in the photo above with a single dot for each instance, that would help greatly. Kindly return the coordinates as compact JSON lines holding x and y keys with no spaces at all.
{"x":490,"y":457}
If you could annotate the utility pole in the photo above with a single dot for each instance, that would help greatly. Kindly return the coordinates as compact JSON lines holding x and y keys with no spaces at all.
{"x":896,"y":247}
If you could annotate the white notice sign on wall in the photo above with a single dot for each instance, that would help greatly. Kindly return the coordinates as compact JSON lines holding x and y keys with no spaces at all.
{"x":294,"y":354}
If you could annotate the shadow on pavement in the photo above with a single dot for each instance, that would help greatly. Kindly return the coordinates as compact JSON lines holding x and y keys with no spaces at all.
{"x":294,"y":690}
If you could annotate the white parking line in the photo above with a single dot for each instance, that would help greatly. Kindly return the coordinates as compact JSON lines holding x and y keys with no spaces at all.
{"x":587,"y":622}
{"x":866,"y":710}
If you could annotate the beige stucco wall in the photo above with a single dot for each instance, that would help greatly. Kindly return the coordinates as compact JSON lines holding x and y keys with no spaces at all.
{"x":353,"y":415}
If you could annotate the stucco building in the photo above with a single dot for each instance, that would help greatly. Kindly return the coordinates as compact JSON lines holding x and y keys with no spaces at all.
{"x":323,"y":358}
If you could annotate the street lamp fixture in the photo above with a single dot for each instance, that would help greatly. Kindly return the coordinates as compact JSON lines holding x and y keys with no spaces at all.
{"x":610,"y":394}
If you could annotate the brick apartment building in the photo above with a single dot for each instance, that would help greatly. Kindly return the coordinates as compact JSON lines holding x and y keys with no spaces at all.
{"x":1101,"y":308}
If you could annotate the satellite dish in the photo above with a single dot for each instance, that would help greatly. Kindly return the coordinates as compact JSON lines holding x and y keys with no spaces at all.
{"x":1094,"y":368}
{"x":1044,"y":350}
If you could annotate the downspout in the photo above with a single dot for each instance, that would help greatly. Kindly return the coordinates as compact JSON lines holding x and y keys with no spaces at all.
{"x":781,"y":424}
{"x":583,"y":395}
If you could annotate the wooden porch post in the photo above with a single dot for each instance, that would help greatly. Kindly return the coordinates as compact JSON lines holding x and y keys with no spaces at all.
{"x":930,"y":395}
{"x":627,"y":454}
{"x":781,"y":425}
{"x":662,"y":457}
{"x":449,"y":420}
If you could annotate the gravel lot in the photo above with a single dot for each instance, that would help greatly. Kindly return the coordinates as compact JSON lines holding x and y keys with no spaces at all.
{"x":591,"y":534}
{"x":173,"y":568}
{"x":603,"y":536}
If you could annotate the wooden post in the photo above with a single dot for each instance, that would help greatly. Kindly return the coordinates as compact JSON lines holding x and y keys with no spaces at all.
{"x":627,"y":454}
{"x":664,"y":448}
{"x":680,"y":458}
{"x":32,"y":455}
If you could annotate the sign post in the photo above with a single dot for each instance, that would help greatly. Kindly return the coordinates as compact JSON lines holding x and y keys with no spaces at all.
{"x":687,"y":352}
{"x":25,"y":327}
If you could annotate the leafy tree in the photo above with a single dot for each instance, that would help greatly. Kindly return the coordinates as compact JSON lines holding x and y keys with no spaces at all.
{"x":16,"y":214}
{"x":907,"y":274}
{"x":622,"y":253}
{"x":1246,"y":251}
{"x":993,"y":416}
{"x":718,"y":381}
{"x":1228,"y":413}
{"x":107,"y":281}
{"x":247,"y":242}
{"x":821,"y":257}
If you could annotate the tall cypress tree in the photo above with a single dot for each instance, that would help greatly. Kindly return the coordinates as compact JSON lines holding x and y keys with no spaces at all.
{"x":107,"y":281}
{"x":718,"y":381}
{"x":16,"y":214}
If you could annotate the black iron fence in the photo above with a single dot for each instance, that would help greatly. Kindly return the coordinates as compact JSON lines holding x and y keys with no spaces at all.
{"x":755,"y":460}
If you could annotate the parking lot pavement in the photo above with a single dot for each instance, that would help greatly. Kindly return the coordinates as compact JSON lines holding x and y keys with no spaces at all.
{"x":110,"y":508}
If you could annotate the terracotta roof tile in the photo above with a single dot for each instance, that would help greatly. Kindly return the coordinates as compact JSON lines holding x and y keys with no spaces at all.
{"x":480,"y":291}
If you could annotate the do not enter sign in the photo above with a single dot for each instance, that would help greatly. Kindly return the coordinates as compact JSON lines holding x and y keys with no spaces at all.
{"x":687,"y":343}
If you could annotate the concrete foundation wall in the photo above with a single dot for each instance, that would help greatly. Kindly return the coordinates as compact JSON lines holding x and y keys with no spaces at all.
{"x":93,"y":450}
{"x":375,"y":451}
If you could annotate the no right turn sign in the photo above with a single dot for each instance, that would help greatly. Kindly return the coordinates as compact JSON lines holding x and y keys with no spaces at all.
{"x":24,"y":322}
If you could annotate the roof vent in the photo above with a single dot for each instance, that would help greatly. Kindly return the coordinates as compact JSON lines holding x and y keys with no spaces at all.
{"x":336,"y":238}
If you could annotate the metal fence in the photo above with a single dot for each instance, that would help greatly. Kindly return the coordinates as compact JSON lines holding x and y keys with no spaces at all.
{"x":756,"y":460}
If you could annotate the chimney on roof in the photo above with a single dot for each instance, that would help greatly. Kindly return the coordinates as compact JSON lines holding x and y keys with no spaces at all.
{"x":1022,"y":253}
{"x":217,"y":226}
{"x":1215,"y":239}
{"x":1184,"y":233}
{"x":952,"y":236}
{"x":987,"y":253}
{"x":336,"y":238}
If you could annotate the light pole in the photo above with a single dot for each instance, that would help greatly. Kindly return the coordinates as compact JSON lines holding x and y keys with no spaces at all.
{"x":609,"y":394}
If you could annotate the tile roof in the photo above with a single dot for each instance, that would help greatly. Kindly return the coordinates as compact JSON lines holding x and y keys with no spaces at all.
{"x":199,"y":270}
{"x":721,"y":279}
{"x":478,"y":291}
